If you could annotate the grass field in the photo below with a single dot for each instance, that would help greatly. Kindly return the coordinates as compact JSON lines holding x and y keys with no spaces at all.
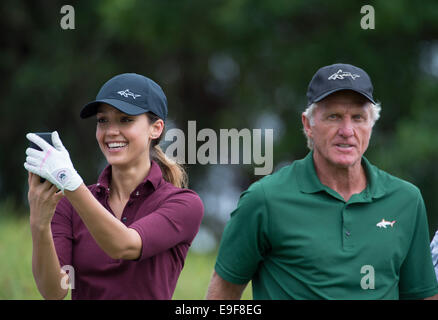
{"x":16,"y":280}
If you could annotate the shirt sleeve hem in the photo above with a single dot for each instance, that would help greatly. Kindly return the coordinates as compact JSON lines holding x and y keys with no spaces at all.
{"x":418,"y":294}
{"x":228,"y":276}
{"x":139,"y":230}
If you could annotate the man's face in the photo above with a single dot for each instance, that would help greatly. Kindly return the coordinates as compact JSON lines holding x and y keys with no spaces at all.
{"x":342,"y":128}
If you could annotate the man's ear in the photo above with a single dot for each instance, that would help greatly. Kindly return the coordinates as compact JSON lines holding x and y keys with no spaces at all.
{"x":306,"y":125}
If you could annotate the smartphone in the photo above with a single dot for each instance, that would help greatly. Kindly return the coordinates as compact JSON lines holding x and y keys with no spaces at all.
{"x":46,"y":136}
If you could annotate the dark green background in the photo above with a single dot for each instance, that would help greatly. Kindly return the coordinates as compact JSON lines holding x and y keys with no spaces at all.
{"x":226,"y":64}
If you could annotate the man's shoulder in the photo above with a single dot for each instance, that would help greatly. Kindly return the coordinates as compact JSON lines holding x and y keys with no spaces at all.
{"x":283,"y":180}
{"x":278,"y":179}
{"x":394,"y":184}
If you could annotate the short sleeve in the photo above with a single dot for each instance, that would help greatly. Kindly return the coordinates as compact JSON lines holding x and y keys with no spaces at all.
{"x":434,"y":251}
{"x":417,"y":276}
{"x":62,"y":231}
{"x":244,"y":241}
{"x":176,"y":221}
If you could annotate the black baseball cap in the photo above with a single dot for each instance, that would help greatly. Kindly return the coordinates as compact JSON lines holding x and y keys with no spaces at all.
{"x":336,"y":77}
{"x":132,"y":94}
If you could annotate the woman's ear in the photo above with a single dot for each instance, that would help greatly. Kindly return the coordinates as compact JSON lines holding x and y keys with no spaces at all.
{"x":157,"y":129}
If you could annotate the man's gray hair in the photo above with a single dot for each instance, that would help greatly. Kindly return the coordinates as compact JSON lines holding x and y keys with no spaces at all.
{"x":309,"y":112}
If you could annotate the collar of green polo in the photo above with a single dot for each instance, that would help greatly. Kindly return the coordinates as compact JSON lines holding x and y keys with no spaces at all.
{"x":309,"y":182}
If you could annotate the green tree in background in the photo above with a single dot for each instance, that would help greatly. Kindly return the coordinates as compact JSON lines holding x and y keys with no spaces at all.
{"x":226,"y":64}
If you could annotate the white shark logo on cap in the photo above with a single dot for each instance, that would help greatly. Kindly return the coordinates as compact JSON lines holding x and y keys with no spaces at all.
{"x":341,"y":75}
{"x":126,"y":93}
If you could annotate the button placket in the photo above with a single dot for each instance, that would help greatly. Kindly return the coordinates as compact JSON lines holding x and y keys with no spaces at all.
{"x":347,"y":236}
{"x":129,"y":204}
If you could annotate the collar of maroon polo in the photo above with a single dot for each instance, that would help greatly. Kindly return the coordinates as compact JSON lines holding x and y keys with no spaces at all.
{"x":154,"y":177}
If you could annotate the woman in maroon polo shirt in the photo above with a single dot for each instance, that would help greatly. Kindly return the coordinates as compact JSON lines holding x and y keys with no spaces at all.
{"x":127,"y":236}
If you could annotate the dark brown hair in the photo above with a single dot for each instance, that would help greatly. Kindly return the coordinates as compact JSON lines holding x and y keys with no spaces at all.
{"x":172,"y":171}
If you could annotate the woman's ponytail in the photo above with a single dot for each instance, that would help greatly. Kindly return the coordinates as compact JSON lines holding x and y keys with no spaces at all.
{"x":172,"y":171}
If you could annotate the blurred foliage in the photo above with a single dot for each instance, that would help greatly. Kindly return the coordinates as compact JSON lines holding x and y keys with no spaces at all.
{"x":224,"y":64}
{"x":17,"y":282}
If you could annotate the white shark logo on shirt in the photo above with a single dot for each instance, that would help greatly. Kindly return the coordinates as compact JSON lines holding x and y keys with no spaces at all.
{"x":384,"y":223}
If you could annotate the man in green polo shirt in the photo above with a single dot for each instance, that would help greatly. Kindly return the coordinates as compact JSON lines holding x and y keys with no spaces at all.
{"x":332,"y":225}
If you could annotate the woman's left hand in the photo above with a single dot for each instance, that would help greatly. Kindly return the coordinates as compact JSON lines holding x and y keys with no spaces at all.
{"x":52,"y":163}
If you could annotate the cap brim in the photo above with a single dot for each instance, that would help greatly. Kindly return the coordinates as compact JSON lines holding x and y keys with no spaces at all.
{"x":90,"y":109}
{"x":324,"y":95}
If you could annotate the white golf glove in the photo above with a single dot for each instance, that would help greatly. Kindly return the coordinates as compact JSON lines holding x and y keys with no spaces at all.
{"x":52,"y":163}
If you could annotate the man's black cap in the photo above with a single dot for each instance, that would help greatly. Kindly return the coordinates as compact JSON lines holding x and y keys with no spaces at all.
{"x":336,"y":77}
{"x":132,"y":94}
